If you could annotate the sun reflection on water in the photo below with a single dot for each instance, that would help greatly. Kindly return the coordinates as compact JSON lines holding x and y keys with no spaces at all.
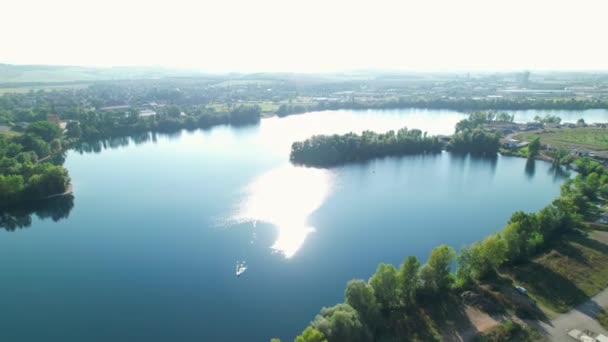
{"x":285,"y":197}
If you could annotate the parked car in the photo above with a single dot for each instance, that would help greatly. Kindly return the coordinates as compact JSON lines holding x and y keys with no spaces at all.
{"x":521,"y":290}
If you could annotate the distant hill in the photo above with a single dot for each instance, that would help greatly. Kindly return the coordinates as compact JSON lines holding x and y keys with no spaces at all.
{"x":14,"y":75}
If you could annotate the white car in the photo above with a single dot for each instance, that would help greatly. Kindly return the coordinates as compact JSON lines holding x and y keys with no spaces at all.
{"x":521,"y":290}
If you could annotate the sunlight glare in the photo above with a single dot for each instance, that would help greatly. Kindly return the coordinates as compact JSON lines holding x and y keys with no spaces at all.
{"x":285,"y":197}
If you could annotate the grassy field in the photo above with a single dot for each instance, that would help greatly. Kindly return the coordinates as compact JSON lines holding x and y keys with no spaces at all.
{"x":570,"y":273}
{"x":521,"y":152}
{"x":592,"y":138}
{"x":267,"y":107}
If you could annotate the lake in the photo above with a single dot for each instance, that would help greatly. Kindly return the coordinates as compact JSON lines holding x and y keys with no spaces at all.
{"x":148,"y":248}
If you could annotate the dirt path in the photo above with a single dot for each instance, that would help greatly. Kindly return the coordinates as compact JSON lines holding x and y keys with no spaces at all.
{"x":480,"y":322}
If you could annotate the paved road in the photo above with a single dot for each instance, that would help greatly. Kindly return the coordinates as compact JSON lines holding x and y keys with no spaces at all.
{"x":582,"y":318}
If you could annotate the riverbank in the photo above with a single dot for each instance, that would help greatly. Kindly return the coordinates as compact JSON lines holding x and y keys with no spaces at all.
{"x":567,"y":288}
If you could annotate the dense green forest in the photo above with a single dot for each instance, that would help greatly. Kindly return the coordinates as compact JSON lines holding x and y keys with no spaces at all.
{"x":24,"y":174}
{"x":322,"y":150}
{"x":386,"y":307}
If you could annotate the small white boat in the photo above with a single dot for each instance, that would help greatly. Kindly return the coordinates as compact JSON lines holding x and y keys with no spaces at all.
{"x":240,"y":268}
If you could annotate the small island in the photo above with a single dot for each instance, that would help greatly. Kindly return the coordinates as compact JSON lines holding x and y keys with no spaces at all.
{"x":328,"y":150}
{"x":324,"y":150}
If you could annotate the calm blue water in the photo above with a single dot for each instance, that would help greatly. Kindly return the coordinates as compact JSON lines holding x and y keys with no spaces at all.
{"x":149,"y":249}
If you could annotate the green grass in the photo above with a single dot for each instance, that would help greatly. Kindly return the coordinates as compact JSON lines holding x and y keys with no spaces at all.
{"x":602,"y":318}
{"x":509,"y":331}
{"x":574,"y":270}
{"x":219,"y":107}
{"x":267,"y":107}
{"x":10,"y":133}
{"x":593,"y":138}
{"x":520,"y":152}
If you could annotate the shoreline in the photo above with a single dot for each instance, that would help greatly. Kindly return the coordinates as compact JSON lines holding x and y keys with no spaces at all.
{"x":69,"y":191}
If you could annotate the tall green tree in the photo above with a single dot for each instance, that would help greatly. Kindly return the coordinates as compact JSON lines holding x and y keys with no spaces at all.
{"x":491,"y":253}
{"x":409,"y":280}
{"x":522,"y":235}
{"x":310,"y":334}
{"x":559,"y":155}
{"x":361,"y":297}
{"x":341,"y":323}
{"x":385,"y":285}
{"x":481,"y":259}
{"x":73,"y":130}
{"x":464,"y":272}
{"x":534,"y":148}
{"x":435,"y":274}
{"x":581,"y":122}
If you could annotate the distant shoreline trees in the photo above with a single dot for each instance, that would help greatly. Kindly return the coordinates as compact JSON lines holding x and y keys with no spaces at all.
{"x":458,"y":104}
{"x":99,"y":125}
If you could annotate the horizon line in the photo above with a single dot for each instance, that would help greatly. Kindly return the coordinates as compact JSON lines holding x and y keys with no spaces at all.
{"x":320,"y":71}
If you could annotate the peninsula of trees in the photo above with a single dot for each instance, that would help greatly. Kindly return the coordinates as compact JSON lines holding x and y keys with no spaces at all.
{"x":470,"y":137}
{"x":323,"y":150}
{"x":24,"y":173}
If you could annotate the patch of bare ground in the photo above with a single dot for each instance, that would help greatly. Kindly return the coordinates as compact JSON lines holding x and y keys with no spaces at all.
{"x":601,"y":236}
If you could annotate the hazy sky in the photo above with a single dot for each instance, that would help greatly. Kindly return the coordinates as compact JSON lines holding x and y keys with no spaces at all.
{"x":308,"y":35}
